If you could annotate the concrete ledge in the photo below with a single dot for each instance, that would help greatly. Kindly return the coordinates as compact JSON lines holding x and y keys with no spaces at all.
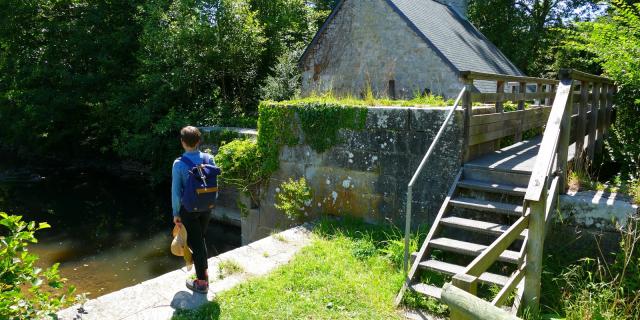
{"x":596,"y":209}
{"x":159,"y":298}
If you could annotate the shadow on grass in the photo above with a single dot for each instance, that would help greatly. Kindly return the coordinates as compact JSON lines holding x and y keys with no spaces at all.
{"x":194,"y":306}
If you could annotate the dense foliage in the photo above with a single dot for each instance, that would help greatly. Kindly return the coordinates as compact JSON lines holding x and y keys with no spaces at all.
{"x":26,"y":291}
{"x":102,"y":80}
{"x":526,"y":31}
{"x":241,"y":166}
{"x":614,"y":41}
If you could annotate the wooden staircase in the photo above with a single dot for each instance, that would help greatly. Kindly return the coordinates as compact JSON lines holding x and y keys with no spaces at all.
{"x":486,"y":242}
{"x":482,"y":204}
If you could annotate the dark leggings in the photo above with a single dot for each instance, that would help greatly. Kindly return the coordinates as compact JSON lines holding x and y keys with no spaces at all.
{"x":196,"y":224}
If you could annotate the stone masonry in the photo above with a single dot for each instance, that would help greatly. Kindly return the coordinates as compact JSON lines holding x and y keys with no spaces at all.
{"x":367,"y":45}
{"x":366,"y":175}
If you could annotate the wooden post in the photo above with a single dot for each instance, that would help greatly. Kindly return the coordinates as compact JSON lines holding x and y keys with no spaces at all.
{"x":521,"y":104}
{"x":602,"y":117}
{"x":468,"y":284}
{"x":593,"y":121}
{"x":539,"y":90}
{"x":535,"y":245}
{"x":500,"y":97}
{"x":467,"y":104}
{"x":610,"y":95}
{"x":499,"y":107}
{"x":581,"y":125}
{"x":552,"y":89}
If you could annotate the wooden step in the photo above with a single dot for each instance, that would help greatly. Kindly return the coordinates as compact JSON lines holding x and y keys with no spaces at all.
{"x":471,"y":249}
{"x":453,"y":269}
{"x":492,"y":187}
{"x":478,"y":173}
{"x":428,"y":290}
{"x":478,"y":226}
{"x":484,"y":205}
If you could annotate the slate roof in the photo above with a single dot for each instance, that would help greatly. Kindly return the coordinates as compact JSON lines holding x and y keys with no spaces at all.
{"x":450,"y":35}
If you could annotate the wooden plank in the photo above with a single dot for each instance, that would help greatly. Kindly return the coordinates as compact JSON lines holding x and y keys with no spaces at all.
{"x":508,"y":288}
{"x":482,"y":97}
{"x":478,"y":226}
{"x":452,"y":269}
{"x":425,"y":245}
{"x":484,"y":205}
{"x":496,"y":249}
{"x":501,"y":117}
{"x":494,"y":126}
{"x":491,"y":136}
{"x":472,"y":249}
{"x":579,"y":75}
{"x":548,"y":147}
{"x":563,"y":146}
{"x":495,"y":77}
{"x":427,"y":290}
{"x":467,"y":306}
{"x":492,"y":187}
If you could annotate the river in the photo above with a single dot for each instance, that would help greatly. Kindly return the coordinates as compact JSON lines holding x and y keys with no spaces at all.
{"x":107,"y":232}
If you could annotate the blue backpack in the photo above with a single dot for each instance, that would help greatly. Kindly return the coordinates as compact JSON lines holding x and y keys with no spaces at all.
{"x":201,"y":191}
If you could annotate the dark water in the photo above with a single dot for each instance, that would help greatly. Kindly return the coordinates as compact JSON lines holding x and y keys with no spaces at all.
{"x":107,"y":232}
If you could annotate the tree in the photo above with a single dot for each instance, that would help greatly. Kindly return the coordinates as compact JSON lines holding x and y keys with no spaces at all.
{"x":525,"y":29}
{"x":614,"y":41}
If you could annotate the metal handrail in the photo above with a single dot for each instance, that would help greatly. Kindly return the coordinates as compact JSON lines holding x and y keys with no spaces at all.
{"x":407,"y":230}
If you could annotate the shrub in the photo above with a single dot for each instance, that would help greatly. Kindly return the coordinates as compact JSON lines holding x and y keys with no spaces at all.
{"x":294,"y":198}
{"x":26,"y":291}
{"x":241,"y":166}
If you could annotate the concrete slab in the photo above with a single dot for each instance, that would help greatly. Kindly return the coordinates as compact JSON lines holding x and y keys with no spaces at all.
{"x":160,"y":297}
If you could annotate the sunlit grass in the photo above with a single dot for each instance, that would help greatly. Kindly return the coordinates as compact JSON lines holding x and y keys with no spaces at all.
{"x":370,"y":100}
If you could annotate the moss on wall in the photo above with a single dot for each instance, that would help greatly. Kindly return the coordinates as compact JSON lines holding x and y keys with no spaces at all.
{"x":320,"y":122}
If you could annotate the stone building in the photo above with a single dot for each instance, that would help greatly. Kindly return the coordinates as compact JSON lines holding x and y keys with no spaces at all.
{"x":398,"y":49}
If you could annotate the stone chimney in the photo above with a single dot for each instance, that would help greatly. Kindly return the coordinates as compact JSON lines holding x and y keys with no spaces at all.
{"x":460,"y":6}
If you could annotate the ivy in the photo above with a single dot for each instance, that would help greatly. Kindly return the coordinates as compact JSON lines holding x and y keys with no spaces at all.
{"x":319,"y":121}
{"x":275,"y":129}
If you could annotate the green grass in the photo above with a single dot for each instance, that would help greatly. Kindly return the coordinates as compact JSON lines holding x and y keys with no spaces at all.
{"x":228,"y":267}
{"x":370,"y":100}
{"x":350,"y":271}
{"x":596,"y":284}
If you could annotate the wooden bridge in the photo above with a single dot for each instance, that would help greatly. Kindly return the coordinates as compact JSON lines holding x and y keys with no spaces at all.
{"x":493,"y":222}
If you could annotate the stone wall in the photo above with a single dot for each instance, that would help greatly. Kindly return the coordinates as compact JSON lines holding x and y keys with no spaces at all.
{"x":366,"y":175}
{"x":367,"y":45}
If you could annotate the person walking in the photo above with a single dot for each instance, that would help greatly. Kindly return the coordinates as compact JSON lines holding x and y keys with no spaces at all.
{"x":195,"y":220}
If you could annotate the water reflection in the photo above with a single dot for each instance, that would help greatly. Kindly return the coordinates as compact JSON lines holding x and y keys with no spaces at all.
{"x":108,"y":232}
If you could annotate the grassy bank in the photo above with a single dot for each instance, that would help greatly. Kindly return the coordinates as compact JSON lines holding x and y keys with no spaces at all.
{"x":350,"y":271}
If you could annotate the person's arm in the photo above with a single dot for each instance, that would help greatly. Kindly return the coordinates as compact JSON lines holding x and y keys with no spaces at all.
{"x":176,"y":189}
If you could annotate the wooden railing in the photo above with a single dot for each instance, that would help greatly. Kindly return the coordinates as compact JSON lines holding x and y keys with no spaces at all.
{"x":590,"y":122}
{"x":486,"y":121}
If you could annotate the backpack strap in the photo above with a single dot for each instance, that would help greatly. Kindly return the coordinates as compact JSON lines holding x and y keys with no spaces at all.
{"x":188,"y":162}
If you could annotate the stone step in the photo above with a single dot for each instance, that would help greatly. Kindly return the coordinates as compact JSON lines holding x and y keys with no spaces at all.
{"x":484,"y":205}
{"x":492,"y":187}
{"x":471,"y":249}
{"x":478,"y":226}
{"x":427,"y":290}
{"x":453,"y":269}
